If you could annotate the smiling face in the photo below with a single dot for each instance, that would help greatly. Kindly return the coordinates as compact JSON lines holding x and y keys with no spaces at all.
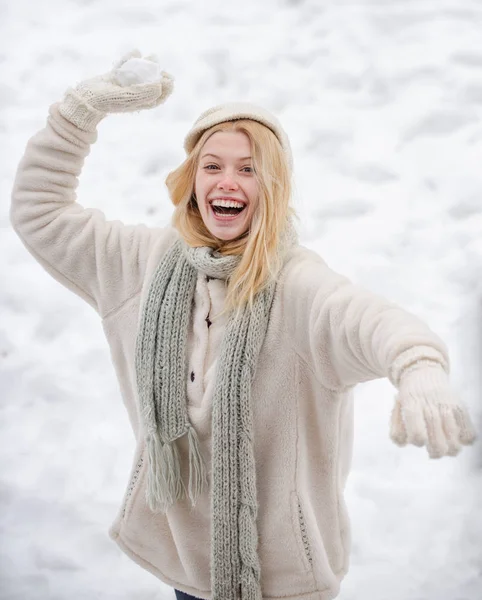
{"x":226,"y":187}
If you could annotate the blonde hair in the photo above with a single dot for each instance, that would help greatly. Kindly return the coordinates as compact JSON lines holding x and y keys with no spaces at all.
{"x":260,"y":262}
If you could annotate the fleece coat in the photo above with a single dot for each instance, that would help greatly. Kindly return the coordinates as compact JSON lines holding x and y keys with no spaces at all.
{"x":325,"y":335}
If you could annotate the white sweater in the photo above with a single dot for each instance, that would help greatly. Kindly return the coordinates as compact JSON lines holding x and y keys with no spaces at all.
{"x":325,"y":335}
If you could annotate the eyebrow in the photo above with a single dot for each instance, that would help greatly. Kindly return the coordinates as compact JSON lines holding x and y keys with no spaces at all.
{"x":219,"y":158}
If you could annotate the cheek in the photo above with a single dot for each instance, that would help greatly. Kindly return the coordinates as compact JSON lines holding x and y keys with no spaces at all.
{"x":197,"y":185}
{"x":201,"y":192}
{"x":202,"y":186}
{"x":253,"y":192}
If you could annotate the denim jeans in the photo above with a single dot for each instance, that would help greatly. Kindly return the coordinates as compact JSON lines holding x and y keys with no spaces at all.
{"x":183,"y":596}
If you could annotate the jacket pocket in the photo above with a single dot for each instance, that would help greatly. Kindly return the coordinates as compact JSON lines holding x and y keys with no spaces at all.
{"x":300,"y":531}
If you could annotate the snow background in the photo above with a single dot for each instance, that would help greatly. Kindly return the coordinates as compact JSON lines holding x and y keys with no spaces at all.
{"x":382,"y":102}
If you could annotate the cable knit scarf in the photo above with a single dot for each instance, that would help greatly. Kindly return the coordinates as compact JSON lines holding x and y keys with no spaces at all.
{"x":161,"y":369}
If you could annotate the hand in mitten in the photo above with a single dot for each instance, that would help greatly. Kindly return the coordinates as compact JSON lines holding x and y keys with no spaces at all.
{"x":428,"y":412}
{"x":134,"y":83}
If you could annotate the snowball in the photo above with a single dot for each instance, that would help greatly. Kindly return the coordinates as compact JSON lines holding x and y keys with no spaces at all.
{"x":137,"y":70}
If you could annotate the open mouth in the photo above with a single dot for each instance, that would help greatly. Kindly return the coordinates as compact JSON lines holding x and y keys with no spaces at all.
{"x":226,"y":212}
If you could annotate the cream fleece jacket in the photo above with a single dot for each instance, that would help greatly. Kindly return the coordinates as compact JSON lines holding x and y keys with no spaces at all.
{"x":325,"y":335}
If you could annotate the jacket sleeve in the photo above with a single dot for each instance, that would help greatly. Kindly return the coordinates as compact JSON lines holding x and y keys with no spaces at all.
{"x":350,"y":335}
{"x":101,"y":261}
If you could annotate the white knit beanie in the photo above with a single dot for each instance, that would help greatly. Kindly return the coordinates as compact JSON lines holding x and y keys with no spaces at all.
{"x":233,"y":111}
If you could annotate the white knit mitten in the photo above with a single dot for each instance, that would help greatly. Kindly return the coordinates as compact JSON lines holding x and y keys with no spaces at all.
{"x":429,"y":413}
{"x":91,"y":100}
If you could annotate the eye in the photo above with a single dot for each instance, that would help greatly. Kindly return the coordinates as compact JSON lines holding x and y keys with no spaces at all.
{"x":209,"y":167}
{"x":249,"y":169}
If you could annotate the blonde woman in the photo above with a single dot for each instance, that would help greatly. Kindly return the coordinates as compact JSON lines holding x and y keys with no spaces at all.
{"x":236,"y":348}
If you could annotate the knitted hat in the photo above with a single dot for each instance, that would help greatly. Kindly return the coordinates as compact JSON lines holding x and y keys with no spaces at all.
{"x":232,"y":112}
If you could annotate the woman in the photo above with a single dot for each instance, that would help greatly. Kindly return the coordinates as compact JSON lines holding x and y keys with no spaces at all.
{"x":236,"y":349}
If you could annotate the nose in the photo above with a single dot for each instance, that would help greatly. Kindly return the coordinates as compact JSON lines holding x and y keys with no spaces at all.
{"x":227,"y":182}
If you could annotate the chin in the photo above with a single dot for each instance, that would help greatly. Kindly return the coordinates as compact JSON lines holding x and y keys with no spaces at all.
{"x":228,"y":236}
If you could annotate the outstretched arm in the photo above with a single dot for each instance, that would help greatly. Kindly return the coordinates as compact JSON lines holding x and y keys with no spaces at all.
{"x":351,"y":335}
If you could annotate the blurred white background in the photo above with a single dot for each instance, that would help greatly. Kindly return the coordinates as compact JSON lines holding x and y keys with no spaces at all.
{"x":382,"y":101}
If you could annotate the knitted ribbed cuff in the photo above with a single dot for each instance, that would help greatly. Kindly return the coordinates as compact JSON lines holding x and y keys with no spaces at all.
{"x":411,"y":357}
{"x":76,"y":110}
{"x":424,"y":375}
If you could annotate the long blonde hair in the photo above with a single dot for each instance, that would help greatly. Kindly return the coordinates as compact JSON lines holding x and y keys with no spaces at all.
{"x":260,"y":262}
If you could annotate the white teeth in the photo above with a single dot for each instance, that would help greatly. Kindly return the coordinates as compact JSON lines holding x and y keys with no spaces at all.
{"x":228,"y":203}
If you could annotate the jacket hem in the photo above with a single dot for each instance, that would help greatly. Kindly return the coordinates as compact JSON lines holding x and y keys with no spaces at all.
{"x":326,"y":594}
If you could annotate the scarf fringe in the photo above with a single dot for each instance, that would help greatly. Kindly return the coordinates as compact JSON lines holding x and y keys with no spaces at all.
{"x":197,"y":468}
{"x":164,"y":483}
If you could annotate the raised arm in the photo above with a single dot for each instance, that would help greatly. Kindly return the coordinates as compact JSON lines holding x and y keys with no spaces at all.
{"x":101,"y":261}
{"x":350,"y":335}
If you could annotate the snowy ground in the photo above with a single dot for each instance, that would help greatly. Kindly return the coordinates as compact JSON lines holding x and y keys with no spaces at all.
{"x":382,"y":101}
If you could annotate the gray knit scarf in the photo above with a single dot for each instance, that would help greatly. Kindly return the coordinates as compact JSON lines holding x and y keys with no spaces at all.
{"x":161,"y":370}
